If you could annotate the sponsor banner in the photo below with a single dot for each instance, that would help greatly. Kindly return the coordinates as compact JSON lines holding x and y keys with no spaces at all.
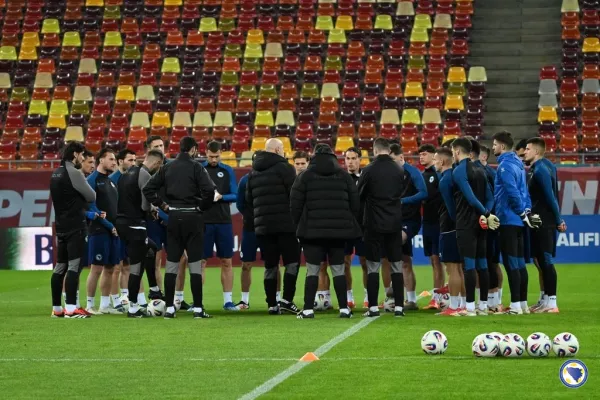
{"x":32,"y":248}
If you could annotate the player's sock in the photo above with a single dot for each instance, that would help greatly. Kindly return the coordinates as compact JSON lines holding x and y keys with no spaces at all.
{"x":90,"y":302}
{"x":545,"y":300}
{"x":124,"y":292}
{"x":350,"y":295}
{"x":104,"y":301}
{"x":470,"y":282}
{"x":483,"y":305}
{"x":463,"y":302}
{"x":524,"y":305}
{"x":57,"y":309}
{"x":484,"y":284}
{"x":345,"y":310}
{"x":155,"y":288}
{"x":411,"y":296}
{"x":310,"y":289}
{"x":541,"y":298}
{"x":115,"y":300}
{"x":398,"y":308}
{"x":308,"y":311}
{"x":179,"y":295}
{"x":551,"y":302}
{"x":471,"y":306}
{"x":77,"y":300}
{"x":341,"y":290}
{"x":454,"y":302}
{"x":515,"y":306}
{"x":197,"y":289}
{"x":70,"y":308}
{"x":270,"y":289}
{"x":374,"y":309}
{"x":366,"y":295}
{"x":373,"y":289}
{"x":278,"y":296}
{"x":171,"y":310}
{"x":246,"y":297}
{"x":398,"y":282}
{"x":524,"y":284}
{"x":492,"y":300}
{"x":290,"y":277}
{"x":227,"y":297}
{"x":197,"y":309}
{"x":141,"y":298}
{"x":133,"y":308}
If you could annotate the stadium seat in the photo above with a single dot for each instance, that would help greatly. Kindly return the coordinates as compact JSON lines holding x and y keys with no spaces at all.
{"x":258,"y":143}
{"x":549,"y":100}
{"x":590,"y":86}
{"x":547,"y":114}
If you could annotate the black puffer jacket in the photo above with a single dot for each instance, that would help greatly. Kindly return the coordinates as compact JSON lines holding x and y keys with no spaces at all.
{"x":324,"y":201}
{"x":268,"y":194}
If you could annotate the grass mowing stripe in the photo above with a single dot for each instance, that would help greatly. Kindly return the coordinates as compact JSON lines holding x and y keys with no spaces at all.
{"x":282,"y":376}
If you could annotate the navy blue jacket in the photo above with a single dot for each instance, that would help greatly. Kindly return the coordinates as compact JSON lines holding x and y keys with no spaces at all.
{"x":224,"y":178}
{"x":433,"y":202}
{"x":543,"y":190}
{"x":106,"y":200}
{"x":447,"y":207}
{"x":414,"y":193}
{"x":472,"y":194}
{"x":241,"y":205}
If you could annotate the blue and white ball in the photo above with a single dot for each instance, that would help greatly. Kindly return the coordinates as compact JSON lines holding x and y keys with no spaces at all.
{"x":538,"y":345}
{"x":157,"y":308}
{"x":565,"y":344}
{"x":434,"y":342}
{"x":485,"y":345}
{"x":512,"y":345}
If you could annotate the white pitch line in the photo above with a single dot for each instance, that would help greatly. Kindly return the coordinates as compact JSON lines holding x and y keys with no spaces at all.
{"x":282,"y":376}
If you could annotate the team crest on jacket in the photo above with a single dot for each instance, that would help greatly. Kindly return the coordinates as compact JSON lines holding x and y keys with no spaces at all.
{"x":220,"y":174}
{"x":431,"y":179}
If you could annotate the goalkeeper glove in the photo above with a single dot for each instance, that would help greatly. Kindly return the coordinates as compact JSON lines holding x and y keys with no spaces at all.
{"x":493,"y":222}
{"x":533,"y":221}
{"x":483,"y":222}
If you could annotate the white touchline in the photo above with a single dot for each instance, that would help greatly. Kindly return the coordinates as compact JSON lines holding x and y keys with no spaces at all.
{"x":282,"y":376}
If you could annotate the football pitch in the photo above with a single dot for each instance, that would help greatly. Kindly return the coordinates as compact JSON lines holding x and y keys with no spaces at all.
{"x":234,"y":354}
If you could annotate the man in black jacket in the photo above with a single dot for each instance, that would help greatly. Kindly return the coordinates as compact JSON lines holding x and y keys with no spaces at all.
{"x":188,"y":192}
{"x":268,"y":201}
{"x":380,"y":189}
{"x":324,"y":204}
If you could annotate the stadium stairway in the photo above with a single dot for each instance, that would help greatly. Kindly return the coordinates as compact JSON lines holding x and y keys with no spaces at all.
{"x":513,"y":39}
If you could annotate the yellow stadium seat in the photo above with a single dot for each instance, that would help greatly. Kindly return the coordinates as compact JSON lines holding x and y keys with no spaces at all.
{"x":285,"y":117}
{"x":208,"y":24}
{"x":181,"y":118}
{"x":202,"y":118}
{"x":389,"y":116}
{"x":419,"y":35}
{"x":28,"y":53}
{"x":343,"y":143}
{"x":161,"y":118}
{"x":431,"y":116}
{"x":8,"y":53}
{"x":258,"y":143}
{"x":413,"y":89}
{"x":264,"y":118}
{"x":5,"y":80}
{"x":336,"y":36}
{"x":59,"y":107}
{"x":145,"y":92}
{"x":344,"y":22}
{"x":171,"y":64}
{"x":330,"y":90}
{"x":547,"y":114}
{"x":274,"y":50}
{"x":87,"y":66}
{"x":324,"y":23}
{"x":113,"y":39}
{"x":223,"y":118}
{"x":56,"y":121}
{"x":287,"y":145}
{"x":246,"y":159}
{"x":422,"y":21}
{"x":591,"y":45}
{"x":454,"y":102}
{"x":38,"y":107}
{"x":411,"y":116}
{"x":569,"y":6}
{"x":255,"y":36}
{"x":140,"y":119}
{"x":229,"y":158}
{"x":445,"y":138}
{"x":443,"y":21}
{"x":456,"y":75}
{"x":125,"y":92}
{"x":31,"y":39}
{"x":405,"y":8}
{"x":477,"y":74}
{"x":71,"y":39}
{"x":456,"y":88}
{"x":74,"y":134}
{"x":82,"y":93}
{"x":384,"y":22}
{"x":253,"y":51}
{"x":364,"y":158}
{"x":50,"y":25}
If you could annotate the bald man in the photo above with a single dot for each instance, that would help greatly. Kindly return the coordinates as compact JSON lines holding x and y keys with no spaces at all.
{"x":268,"y":201}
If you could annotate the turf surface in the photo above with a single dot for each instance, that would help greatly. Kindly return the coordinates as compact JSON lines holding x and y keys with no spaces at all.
{"x":226,"y":357}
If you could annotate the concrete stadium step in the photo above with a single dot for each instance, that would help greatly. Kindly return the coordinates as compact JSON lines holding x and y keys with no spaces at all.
{"x":513,"y":63}
{"x":516,"y":49}
{"x":512,"y":89}
{"x":502,"y":76}
{"x":502,"y":104}
{"x":510,"y":118}
{"x":495,"y":4}
{"x":518,"y":132}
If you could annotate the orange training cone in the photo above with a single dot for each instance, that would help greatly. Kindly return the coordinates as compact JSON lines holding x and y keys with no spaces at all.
{"x":309,"y":357}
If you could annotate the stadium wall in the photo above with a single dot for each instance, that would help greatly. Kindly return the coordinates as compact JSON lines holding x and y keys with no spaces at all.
{"x":26,"y":218}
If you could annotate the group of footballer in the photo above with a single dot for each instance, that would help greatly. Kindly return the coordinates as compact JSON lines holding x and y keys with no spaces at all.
{"x":470,"y":215}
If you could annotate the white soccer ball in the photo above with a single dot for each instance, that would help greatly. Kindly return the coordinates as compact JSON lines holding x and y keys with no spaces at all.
{"x":512,"y":345}
{"x":498,"y":338}
{"x":485,"y":345}
{"x":157,"y":308}
{"x":389,"y":304}
{"x":538,"y":345}
{"x":565,"y":344}
{"x":434,"y":342}
{"x":444,"y":301}
{"x":321,"y":303}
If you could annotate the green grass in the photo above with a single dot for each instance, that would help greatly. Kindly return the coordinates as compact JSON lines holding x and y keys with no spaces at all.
{"x":112,"y":357}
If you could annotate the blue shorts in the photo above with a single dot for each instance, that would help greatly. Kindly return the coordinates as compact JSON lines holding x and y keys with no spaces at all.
{"x":431,"y":239}
{"x":123,"y":253}
{"x":356,"y":247}
{"x":412,"y":229}
{"x":157,"y":232}
{"x":249,"y":246}
{"x":104,"y":249}
{"x":449,"y":248}
{"x":221,"y":236}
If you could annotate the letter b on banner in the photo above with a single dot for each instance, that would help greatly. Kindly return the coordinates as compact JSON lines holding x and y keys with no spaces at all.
{"x":43,"y":249}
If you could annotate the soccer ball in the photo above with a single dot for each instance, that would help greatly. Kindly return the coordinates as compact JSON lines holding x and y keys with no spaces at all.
{"x":538,"y":345}
{"x":512,"y":345}
{"x":389,"y":304}
{"x":485,"y":345}
{"x":498,"y":338}
{"x":444,"y":301}
{"x":434,"y":342}
{"x":565,"y":344}
{"x":321,"y":303}
{"x":157,"y":308}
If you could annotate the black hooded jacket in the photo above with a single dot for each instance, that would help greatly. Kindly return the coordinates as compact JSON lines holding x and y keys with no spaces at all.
{"x":324,"y":201}
{"x":268,"y":194}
